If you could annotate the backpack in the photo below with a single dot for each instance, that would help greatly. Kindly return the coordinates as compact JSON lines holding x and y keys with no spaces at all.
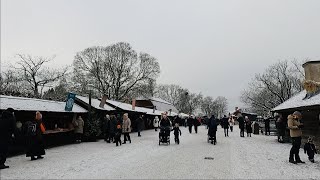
{"x":31,"y":129}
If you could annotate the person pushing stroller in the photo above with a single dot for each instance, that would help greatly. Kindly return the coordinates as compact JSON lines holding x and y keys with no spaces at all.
{"x":165,"y":125}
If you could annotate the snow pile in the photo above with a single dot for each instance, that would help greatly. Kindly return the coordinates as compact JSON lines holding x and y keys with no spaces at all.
{"x":258,"y":157}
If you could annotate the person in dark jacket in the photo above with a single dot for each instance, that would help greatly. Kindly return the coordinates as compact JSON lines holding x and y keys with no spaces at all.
{"x":165,"y":124}
{"x":196,"y":123}
{"x":310,"y":149}
{"x":213,"y":129}
{"x":225,"y":125}
{"x":139,"y":124}
{"x":190,"y":123}
{"x":35,"y":144}
{"x":248,"y":126}
{"x":267,"y":126}
{"x":112,"y":128}
{"x":7,"y":128}
{"x":117,"y":136}
{"x":176,"y":131}
{"x":106,"y":127}
{"x":281,"y":128}
{"x":241,"y":125}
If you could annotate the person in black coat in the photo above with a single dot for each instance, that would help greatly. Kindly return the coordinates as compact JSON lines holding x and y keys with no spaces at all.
{"x":213,"y":129}
{"x":139,"y":124}
{"x":225,"y":125}
{"x":190,"y":122}
{"x":165,"y":124}
{"x":112,"y":127}
{"x":35,"y":143}
{"x":241,"y":125}
{"x":106,"y":127}
{"x":7,"y":128}
{"x":196,"y":123}
{"x":267,"y":126}
{"x":281,"y":128}
{"x":248,"y":126}
{"x":176,"y":131}
{"x":310,"y":149}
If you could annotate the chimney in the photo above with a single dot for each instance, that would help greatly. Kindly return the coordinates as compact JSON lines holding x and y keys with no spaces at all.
{"x":312,"y":76}
{"x":103,"y":101}
{"x":133,"y":104}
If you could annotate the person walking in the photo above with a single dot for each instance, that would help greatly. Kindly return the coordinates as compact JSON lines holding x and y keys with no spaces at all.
{"x":196,"y":123}
{"x":248,"y":126}
{"x":126,"y":128}
{"x":190,"y":123}
{"x":267,"y":126}
{"x":7,"y":128}
{"x":78,"y":128}
{"x":106,"y":127}
{"x":139,"y":124}
{"x":231,"y":123}
{"x":212,"y":131}
{"x":295,"y":125}
{"x":112,"y":128}
{"x":281,"y":128}
{"x":225,"y":125}
{"x":241,"y":124}
{"x":310,"y":149}
{"x":35,"y":143}
{"x":176,"y":131}
{"x":156,"y":123}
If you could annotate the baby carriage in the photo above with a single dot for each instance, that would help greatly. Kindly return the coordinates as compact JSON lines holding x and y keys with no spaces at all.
{"x":212,"y":137}
{"x":164,"y":135}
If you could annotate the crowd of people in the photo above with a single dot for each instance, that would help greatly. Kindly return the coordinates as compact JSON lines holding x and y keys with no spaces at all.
{"x":115,"y":126}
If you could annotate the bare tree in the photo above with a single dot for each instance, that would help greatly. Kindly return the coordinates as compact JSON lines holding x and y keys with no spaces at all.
{"x":277,"y":84}
{"x":170,"y":92}
{"x":36,"y":74}
{"x":115,"y":70}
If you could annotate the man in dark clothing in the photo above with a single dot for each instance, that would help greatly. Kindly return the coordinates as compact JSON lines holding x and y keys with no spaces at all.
{"x":7,"y":127}
{"x":139,"y":124}
{"x":165,"y":124}
{"x":190,"y":123}
{"x":241,"y":125}
{"x":212,"y":123}
{"x":112,"y":128}
{"x":196,"y":123}
{"x":106,"y":127}
{"x":225,"y":125}
{"x":267,"y":126}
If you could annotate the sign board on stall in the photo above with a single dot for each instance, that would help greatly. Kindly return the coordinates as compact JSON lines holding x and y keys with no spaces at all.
{"x":70,"y":101}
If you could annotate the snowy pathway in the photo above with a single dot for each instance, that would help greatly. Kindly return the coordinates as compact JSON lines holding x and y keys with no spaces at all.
{"x":258,"y":157}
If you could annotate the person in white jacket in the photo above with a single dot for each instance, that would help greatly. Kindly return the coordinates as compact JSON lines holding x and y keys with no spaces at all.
{"x":156,"y":123}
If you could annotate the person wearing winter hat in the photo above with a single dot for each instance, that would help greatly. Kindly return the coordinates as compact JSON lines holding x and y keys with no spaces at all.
{"x":7,"y":127}
{"x":295,"y":132}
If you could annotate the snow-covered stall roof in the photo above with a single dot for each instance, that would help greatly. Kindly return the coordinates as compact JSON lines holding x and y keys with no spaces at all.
{"x":299,"y":101}
{"x":160,"y":104}
{"x":95,"y":103}
{"x":126,"y":107}
{"x":31,"y":104}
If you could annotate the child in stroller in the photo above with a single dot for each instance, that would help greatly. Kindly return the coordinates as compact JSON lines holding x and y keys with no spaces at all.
{"x":164,"y":135}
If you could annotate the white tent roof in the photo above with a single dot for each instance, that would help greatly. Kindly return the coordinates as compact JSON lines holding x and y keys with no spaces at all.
{"x":297,"y":101}
{"x":31,"y":104}
{"x":95,"y":103}
{"x":127,"y":107}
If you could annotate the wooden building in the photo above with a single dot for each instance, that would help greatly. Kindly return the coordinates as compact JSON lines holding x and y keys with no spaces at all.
{"x":58,"y":122}
{"x":307,"y":102}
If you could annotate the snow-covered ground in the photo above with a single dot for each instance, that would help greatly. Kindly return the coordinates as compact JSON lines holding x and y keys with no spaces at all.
{"x":258,"y":157}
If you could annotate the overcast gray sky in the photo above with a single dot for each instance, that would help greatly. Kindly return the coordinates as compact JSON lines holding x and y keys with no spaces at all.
{"x":213,"y":47}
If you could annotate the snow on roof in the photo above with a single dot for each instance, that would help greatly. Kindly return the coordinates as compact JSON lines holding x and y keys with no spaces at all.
{"x":297,"y":101}
{"x":95,"y":103}
{"x":31,"y":104}
{"x":161,"y":104}
{"x":126,"y":107}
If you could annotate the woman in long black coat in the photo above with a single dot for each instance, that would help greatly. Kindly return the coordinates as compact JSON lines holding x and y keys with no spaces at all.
{"x":35,"y":143}
{"x":248,"y":126}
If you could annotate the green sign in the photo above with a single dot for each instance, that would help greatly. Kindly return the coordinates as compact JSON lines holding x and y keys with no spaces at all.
{"x":70,"y":101}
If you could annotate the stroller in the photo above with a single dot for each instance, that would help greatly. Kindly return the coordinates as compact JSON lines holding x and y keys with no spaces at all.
{"x":164,"y":135}
{"x":212,"y":136}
